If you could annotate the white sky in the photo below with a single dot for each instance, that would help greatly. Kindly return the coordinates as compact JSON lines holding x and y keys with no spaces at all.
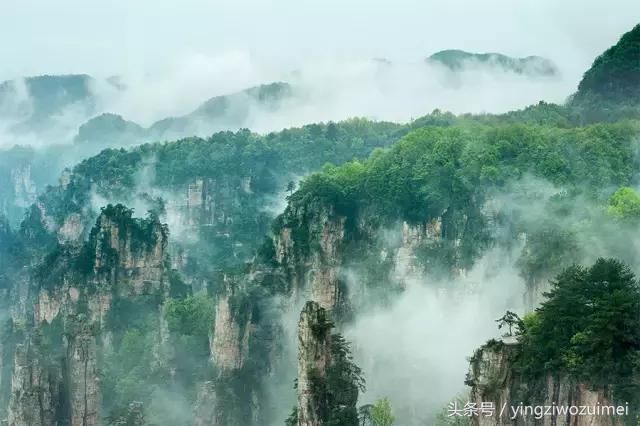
{"x":105,"y":37}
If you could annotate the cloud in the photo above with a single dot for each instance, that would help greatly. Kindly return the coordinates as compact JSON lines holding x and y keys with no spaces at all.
{"x":110,"y":38}
{"x":415,"y":352}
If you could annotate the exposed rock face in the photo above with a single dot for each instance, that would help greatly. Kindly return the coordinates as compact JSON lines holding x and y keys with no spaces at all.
{"x":412,"y":238}
{"x":493,"y":380}
{"x":328,"y":381}
{"x":206,"y":202}
{"x":139,"y":262}
{"x":59,"y":381}
{"x":230,"y":340}
{"x":71,"y":229}
{"x":36,"y":391}
{"x":315,"y":273}
{"x":314,"y":354}
{"x":83,"y":378}
{"x":24,"y":188}
{"x":205,"y":410}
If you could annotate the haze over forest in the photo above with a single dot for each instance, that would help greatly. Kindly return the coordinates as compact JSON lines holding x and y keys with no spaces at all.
{"x":252,"y":213}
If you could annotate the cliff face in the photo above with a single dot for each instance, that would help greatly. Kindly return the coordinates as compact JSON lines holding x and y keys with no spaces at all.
{"x":57,"y":367}
{"x":328,"y":382}
{"x":309,"y":248}
{"x":24,"y":188}
{"x":83,"y":378}
{"x":494,"y":380}
{"x":320,"y":250}
{"x":20,"y":190}
{"x":314,"y":354}
{"x":229,"y":342}
{"x":36,"y":390}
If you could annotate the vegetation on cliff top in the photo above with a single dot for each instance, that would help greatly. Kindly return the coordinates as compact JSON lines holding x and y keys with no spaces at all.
{"x":588,"y":329}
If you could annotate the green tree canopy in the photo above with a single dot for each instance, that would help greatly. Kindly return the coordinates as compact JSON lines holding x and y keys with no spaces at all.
{"x":624,"y":204}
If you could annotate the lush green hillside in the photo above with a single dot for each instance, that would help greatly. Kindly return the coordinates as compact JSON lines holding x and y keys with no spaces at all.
{"x":183,"y":315}
{"x":615,"y":74}
{"x":610,"y":89}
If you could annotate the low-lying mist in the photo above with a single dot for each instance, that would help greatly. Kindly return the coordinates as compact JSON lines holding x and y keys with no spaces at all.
{"x":415,"y":351}
{"x":322,"y":90}
{"x":337,"y":89}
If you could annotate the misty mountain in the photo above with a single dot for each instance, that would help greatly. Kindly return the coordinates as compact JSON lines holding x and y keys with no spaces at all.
{"x":219,"y":280}
{"x":459,"y":60}
{"x":36,"y":104}
{"x":611,"y":87}
{"x":218,"y":113}
{"x":615,"y":75}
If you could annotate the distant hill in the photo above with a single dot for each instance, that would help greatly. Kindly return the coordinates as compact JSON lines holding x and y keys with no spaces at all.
{"x":110,"y":129}
{"x":222,"y":112}
{"x":218,"y":113}
{"x":459,"y":60}
{"x":32,"y":102}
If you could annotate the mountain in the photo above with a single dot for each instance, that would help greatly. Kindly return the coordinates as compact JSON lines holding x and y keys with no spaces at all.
{"x":611,"y":87}
{"x":35,"y":104}
{"x":219,"y":113}
{"x":459,"y":60}
{"x":344,"y":269}
{"x":232,"y":111}
{"x":192,"y":302}
{"x":110,"y":130}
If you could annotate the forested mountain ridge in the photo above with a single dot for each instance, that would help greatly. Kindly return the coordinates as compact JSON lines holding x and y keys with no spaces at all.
{"x":614,"y":74}
{"x":231,"y":111}
{"x":610,"y":88}
{"x":459,"y":60}
{"x":183,"y":315}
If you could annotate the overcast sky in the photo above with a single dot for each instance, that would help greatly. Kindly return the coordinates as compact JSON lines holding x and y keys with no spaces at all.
{"x":115,"y":36}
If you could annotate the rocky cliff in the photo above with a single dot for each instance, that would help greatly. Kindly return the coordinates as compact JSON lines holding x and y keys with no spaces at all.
{"x":327,"y":382}
{"x":497,"y":383}
{"x":56,"y":374}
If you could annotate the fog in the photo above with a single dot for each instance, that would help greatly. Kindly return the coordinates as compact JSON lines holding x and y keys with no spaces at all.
{"x":322,"y":90}
{"x":170,"y":57}
{"x":173,"y":56}
{"x":120,"y":36}
{"x":415,"y":352}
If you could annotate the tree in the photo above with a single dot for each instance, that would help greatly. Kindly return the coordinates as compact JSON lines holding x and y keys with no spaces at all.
{"x":588,"y":329}
{"x":364,"y":414}
{"x":509,"y":319}
{"x":332,"y":131}
{"x":291,"y":186}
{"x":381,"y":413}
{"x":624,"y":204}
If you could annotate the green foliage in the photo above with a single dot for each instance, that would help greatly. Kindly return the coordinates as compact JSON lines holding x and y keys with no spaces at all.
{"x":512,"y":321}
{"x":190,"y":320}
{"x":128,"y":370}
{"x":191,"y":316}
{"x":547,"y":251}
{"x":336,"y":393}
{"x":382,"y":414}
{"x":457,"y":60}
{"x":615,"y":75}
{"x":587,"y":328}
{"x":292,"y":420}
{"x":434,"y":169}
{"x":610,"y":89}
{"x":624,"y":204}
